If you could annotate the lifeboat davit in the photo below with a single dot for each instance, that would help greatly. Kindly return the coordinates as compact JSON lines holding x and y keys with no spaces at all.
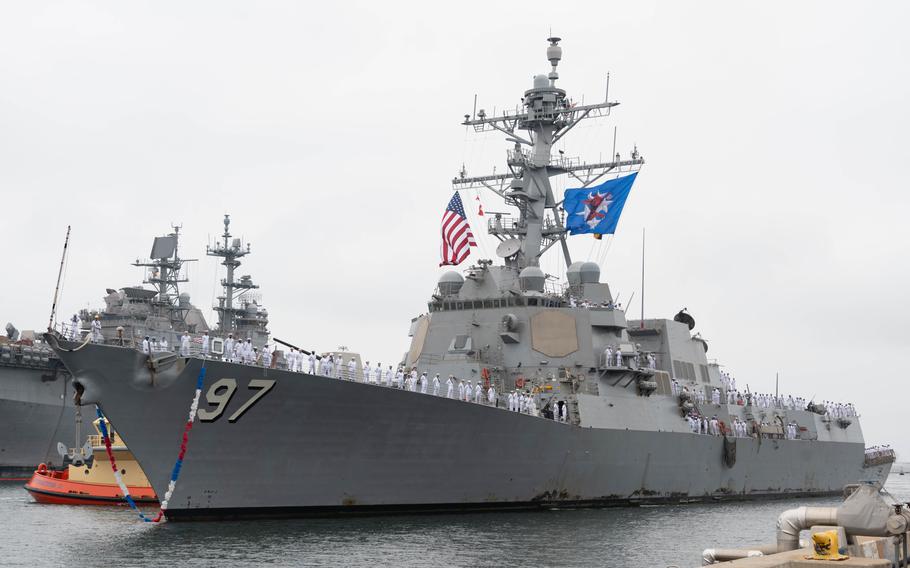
{"x":93,"y":482}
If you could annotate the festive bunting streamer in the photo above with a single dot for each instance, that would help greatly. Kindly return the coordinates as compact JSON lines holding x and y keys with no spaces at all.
{"x":175,"y":473}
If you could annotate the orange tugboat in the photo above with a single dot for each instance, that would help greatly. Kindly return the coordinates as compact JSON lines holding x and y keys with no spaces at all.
{"x":93,"y":482}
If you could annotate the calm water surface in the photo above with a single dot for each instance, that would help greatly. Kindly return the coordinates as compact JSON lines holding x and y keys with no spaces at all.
{"x":58,"y":535}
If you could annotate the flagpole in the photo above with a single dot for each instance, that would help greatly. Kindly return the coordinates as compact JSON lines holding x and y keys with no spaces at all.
{"x":642,"y":278}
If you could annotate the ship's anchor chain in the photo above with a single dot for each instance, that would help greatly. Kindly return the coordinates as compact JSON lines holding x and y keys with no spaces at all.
{"x":175,"y":473}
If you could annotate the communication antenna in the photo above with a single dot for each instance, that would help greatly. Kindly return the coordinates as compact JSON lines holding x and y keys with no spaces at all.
{"x":66,"y":242}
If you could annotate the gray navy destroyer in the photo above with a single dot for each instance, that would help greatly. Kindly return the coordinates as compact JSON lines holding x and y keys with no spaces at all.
{"x":274,"y":442}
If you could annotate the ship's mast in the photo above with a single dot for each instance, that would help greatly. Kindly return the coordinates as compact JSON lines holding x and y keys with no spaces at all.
{"x":547,"y":115}
{"x":231,"y":252}
{"x":165,"y":275}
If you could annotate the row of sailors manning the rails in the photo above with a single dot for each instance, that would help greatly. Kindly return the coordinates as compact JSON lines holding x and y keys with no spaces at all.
{"x":614,"y":357}
{"x":241,"y":351}
{"x":296,"y":361}
{"x":738,"y":428}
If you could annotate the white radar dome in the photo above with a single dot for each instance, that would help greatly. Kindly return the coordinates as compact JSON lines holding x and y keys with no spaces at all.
{"x":589,"y":273}
{"x":573,"y":273}
{"x":450,"y":283}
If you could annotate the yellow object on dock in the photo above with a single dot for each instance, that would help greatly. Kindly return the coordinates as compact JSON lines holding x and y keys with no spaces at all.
{"x":825,"y":547}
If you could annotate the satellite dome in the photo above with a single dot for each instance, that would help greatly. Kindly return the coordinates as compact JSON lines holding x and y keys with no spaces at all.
{"x":450,"y":283}
{"x":589,"y":273}
{"x":532,"y":279}
{"x":573,"y":273}
{"x":541,"y":82}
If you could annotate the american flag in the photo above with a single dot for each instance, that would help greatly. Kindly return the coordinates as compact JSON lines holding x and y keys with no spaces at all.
{"x":457,"y":238}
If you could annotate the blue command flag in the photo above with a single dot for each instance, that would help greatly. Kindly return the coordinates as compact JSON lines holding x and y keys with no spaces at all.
{"x":597,"y":209}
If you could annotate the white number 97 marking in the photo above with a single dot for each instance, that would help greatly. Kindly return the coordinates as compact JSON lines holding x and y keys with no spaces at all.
{"x":221,"y":392}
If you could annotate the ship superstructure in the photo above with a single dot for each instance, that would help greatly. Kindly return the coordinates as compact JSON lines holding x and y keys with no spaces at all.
{"x":605,"y":406}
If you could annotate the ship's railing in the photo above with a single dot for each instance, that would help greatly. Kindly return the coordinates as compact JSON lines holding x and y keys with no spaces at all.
{"x":446,"y":304}
{"x":501,"y":224}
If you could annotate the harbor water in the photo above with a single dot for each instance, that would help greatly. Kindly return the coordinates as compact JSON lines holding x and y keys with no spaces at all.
{"x":58,"y":535}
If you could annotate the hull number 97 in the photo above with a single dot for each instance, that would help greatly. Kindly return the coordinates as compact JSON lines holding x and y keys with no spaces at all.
{"x":221,"y":392}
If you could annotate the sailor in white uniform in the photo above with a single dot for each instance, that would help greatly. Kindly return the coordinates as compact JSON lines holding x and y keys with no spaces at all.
{"x":229,"y":348}
{"x":375,"y":374}
{"x":352,"y":369}
{"x":413,"y":383}
{"x":608,"y":356}
{"x":399,"y":376}
{"x":249,"y":351}
{"x":74,"y":328}
{"x":96,"y":330}
{"x":450,"y":387}
{"x":311,"y":363}
{"x":460,"y":390}
{"x":617,"y":357}
{"x":565,"y":413}
{"x":266,"y":356}
{"x":367,"y":372}
{"x":423,"y":383}
{"x":387,"y":377}
{"x":185,"y":345}
{"x":491,"y":395}
{"x":146,"y":345}
{"x":478,"y":393}
{"x":163,"y":344}
{"x":436,"y":385}
{"x":205,"y":345}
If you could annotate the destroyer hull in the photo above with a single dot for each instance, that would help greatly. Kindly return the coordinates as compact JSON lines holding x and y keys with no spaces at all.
{"x":315,"y":445}
{"x":36,"y":412}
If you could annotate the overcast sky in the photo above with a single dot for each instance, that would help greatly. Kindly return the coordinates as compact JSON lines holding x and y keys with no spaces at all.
{"x":774,"y":196}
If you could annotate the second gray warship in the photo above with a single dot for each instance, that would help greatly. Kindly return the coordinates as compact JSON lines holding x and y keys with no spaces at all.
{"x":36,"y":405}
{"x":607,"y":404}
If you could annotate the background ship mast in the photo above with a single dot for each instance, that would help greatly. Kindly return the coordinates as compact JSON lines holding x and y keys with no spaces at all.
{"x":231,"y":251}
{"x":165,"y":275}
{"x":547,"y":115}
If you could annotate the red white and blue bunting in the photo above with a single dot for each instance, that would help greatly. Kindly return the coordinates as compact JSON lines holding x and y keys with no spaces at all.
{"x":175,"y":473}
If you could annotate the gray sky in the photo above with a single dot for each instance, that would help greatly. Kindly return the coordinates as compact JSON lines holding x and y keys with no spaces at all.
{"x":774,"y":195}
